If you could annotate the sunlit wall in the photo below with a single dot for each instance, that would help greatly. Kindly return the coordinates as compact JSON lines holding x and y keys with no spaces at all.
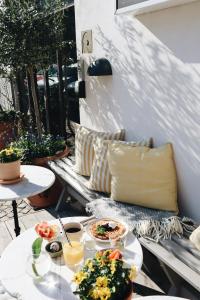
{"x":155,"y":87}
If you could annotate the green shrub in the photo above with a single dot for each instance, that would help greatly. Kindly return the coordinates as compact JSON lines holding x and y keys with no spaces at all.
{"x":34,"y":147}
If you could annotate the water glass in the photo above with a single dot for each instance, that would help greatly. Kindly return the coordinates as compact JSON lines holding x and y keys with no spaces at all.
{"x":37,"y":267}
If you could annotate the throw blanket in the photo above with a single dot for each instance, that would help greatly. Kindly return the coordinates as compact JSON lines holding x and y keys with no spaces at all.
{"x":144,"y":222}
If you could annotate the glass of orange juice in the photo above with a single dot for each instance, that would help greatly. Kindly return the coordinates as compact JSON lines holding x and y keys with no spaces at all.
{"x":74,"y":253}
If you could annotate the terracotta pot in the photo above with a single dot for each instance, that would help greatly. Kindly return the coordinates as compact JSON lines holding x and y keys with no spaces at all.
{"x":50,"y":196}
{"x":42,"y":161}
{"x":10,"y":171}
{"x":6,"y":133}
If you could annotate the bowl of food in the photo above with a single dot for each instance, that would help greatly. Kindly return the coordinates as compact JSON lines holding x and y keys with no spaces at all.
{"x":107,"y":229}
{"x":54,"y":249}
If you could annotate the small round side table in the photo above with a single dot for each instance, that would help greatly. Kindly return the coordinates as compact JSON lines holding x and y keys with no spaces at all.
{"x":36,"y":180}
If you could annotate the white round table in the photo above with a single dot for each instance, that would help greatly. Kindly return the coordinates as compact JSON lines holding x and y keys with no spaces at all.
{"x":36,"y":180}
{"x":59,"y":285}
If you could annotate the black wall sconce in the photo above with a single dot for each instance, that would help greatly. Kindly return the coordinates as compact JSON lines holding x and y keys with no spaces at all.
{"x":76,"y":89}
{"x":100,"y":67}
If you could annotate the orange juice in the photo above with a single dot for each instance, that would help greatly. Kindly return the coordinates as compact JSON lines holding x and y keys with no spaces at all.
{"x":73,"y":255}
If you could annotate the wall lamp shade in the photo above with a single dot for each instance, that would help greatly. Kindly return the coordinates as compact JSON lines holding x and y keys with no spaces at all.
{"x":76,"y":89}
{"x":100,"y":67}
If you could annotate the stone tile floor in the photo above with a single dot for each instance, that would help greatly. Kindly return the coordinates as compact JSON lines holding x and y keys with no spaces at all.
{"x":6,"y":211}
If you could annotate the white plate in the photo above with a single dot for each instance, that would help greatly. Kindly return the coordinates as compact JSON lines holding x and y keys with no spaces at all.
{"x":109,"y":219}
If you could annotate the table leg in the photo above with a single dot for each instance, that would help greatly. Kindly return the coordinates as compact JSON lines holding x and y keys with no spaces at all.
{"x":16,"y":221}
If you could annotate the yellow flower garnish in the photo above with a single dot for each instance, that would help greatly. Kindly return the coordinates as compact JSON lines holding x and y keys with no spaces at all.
{"x":102,"y":281}
{"x":79,"y":277}
{"x":133,"y":273}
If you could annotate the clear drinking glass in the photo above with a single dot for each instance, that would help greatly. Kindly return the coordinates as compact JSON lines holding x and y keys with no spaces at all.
{"x":37,"y":267}
{"x":73,"y":254}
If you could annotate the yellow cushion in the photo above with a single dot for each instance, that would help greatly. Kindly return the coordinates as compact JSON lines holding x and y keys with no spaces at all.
{"x":84,"y":152}
{"x":100,"y":179}
{"x":143,"y":176}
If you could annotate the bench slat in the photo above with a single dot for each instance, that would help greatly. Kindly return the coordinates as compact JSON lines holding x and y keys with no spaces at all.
{"x":183,"y":255}
{"x":170,"y":260}
{"x":186,"y":244}
{"x":77,"y":182}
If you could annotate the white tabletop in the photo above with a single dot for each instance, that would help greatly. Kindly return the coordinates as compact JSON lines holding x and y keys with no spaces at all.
{"x":15,"y":279}
{"x":36,"y":180}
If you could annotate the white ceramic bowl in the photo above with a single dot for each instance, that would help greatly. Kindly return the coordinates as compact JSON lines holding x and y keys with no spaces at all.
{"x":109,"y":220}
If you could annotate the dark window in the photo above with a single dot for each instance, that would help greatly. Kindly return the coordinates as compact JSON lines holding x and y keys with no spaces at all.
{"x":124,"y":3}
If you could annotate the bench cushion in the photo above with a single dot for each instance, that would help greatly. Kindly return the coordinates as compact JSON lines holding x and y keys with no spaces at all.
{"x":84,"y":152}
{"x":64,"y":168}
{"x":143,"y":176}
{"x":100,"y":179}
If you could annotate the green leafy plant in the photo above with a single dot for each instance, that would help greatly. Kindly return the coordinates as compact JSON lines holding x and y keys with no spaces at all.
{"x":34,"y":147}
{"x":36,"y":247}
{"x":10,"y":154}
{"x":105,"y":277}
{"x":36,"y":250}
{"x":30,"y":34}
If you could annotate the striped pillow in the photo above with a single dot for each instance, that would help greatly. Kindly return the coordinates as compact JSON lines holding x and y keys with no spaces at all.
{"x":74,"y":126}
{"x":84,"y":151}
{"x":100,"y":179}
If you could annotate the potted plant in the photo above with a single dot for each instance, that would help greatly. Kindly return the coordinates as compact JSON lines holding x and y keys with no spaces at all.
{"x":39,"y":150}
{"x":10,"y":164}
{"x":8,"y":120}
{"x":105,"y":277}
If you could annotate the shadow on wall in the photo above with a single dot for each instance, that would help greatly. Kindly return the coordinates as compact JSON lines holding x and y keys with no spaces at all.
{"x":155,"y":88}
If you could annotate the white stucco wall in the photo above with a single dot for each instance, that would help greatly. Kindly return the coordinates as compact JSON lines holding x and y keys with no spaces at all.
{"x":155,"y":87}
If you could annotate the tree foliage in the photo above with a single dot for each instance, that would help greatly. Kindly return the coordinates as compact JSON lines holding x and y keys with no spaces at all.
{"x":30,"y":32}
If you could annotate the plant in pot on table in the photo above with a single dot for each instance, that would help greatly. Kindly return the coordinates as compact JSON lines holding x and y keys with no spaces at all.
{"x":39,"y":151}
{"x":10,"y":160}
{"x":105,"y":277}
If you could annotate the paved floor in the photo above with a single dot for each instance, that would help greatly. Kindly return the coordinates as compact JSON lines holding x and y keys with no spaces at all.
{"x":29,"y":216}
{"x":6,"y":212}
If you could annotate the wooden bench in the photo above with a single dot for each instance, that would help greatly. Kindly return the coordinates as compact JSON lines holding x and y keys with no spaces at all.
{"x":176,"y":256}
